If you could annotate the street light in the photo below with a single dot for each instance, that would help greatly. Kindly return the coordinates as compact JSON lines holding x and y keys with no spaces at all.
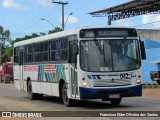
{"x":47,"y":21}
{"x":68,"y":18}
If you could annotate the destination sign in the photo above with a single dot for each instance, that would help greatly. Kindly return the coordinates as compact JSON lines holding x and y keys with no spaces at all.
{"x":111,"y":33}
{"x":108,"y":32}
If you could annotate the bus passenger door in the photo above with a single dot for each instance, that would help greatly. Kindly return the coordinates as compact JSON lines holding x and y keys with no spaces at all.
{"x":73,"y":68}
{"x":21,"y":61}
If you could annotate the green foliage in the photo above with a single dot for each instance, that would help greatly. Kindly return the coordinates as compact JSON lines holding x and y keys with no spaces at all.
{"x":24,"y":38}
{"x":42,"y":34}
{"x":7,"y":54}
{"x":4,"y":38}
{"x":8,"y":50}
{"x":57,"y":29}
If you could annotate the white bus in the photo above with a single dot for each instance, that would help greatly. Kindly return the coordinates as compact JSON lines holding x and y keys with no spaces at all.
{"x":87,"y":63}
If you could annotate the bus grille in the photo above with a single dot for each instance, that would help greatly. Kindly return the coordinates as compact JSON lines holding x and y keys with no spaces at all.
{"x":111,"y":83}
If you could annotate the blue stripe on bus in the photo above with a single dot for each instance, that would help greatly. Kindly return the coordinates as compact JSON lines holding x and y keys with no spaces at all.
{"x":94,"y":77}
{"x":57,"y":69}
{"x":41,"y":72}
{"x":50,"y":78}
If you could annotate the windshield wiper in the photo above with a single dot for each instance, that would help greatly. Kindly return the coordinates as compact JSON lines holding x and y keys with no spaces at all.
{"x":120,"y":47}
{"x":100,"y":49}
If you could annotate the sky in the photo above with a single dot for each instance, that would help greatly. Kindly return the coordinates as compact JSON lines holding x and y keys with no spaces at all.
{"x":23,"y":17}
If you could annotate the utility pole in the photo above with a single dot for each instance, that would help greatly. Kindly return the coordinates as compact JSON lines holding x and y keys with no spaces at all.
{"x":62,"y":3}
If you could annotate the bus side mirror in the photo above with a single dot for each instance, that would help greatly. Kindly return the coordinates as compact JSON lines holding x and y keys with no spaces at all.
{"x":143,"y":53}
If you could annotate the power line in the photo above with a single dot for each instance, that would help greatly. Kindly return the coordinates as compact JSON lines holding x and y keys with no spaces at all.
{"x":31,"y":19}
{"x":147,"y":23}
{"x":37,"y":16}
{"x":29,"y":33}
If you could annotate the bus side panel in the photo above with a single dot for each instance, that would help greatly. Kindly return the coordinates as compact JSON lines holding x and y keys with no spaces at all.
{"x":38,"y":86}
{"x":17,"y":77}
{"x":31,"y":71}
{"x":25,"y":86}
{"x":55,"y":89}
{"x":46,"y":88}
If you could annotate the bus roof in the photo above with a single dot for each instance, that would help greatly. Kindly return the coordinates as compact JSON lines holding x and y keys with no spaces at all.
{"x":46,"y":37}
{"x":59,"y":34}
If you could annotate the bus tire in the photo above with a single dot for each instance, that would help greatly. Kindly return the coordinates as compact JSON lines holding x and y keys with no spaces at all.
{"x":66,"y":101}
{"x":31,"y":95}
{"x":115,"y":101}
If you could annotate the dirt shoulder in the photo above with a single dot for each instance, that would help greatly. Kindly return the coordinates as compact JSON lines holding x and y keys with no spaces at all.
{"x":151,"y":93}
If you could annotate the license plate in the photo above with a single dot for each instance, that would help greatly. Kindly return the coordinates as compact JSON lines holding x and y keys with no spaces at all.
{"x":112,"y":96}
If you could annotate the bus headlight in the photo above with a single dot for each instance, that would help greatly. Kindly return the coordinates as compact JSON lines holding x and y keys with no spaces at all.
{"x":84,"y":84}
{"x":138,"y":81}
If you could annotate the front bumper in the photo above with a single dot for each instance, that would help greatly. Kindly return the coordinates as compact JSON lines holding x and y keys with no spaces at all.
{"x":103,"y":93}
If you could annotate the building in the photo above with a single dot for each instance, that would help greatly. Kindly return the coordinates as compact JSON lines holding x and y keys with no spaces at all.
{"x":150,"y":34}
{"x":152,"y":49}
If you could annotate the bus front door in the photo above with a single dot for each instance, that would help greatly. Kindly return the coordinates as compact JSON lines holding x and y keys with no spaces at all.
{"x":21,"y":60}
{"x":73,"y":69}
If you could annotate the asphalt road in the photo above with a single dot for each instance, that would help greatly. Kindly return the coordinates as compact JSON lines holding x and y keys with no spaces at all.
{"x":13,"y":100}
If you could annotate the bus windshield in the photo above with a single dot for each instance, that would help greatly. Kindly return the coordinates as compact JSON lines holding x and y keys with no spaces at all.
{"x":109,"y":55}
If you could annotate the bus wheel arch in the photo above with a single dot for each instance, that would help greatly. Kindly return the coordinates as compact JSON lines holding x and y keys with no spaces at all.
{"x":63,"y":94}
{"x":31,"y":94}
{"x":61,"y":82}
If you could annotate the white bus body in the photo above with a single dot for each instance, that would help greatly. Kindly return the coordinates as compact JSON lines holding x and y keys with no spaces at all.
{"x":80,"y":64}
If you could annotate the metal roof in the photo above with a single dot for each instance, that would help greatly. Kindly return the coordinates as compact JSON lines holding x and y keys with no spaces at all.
{"x":132,"y":5}
{"x":129,"y":9}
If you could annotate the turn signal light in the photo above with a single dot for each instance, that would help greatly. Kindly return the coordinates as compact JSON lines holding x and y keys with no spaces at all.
{"x":138,"y":81}
{"x":84,"y":84}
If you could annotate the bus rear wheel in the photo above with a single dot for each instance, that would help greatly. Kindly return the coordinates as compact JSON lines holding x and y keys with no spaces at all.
{"x":115,"y":101}
{"x":31,"y":95}
{"x":66,"y":101}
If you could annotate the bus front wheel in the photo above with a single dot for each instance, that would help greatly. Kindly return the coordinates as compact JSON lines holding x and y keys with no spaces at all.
{"x":115,"y":101}
{"x":31,"y":95}
{"x":66,"y":101}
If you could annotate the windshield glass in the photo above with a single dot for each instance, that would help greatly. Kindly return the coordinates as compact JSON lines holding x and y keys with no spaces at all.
{"x":109,"y":55}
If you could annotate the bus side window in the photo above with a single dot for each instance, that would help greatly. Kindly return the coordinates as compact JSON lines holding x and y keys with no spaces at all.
{"x":44,"y":49}
{"x":52,"y":47}
{"x":63,"y":48}
{"x":29,"y":51}
{"x":58,"y":49}
{"x":16,"y":55}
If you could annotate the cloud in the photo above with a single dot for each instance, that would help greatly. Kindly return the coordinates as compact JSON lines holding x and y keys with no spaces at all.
{"x":124,"y":23}
{"x":71,"y":19}
{"x":44,"y":3}
{"x":12,"y":4}
{"x":6,"y":19}
{"x":152,"y":19}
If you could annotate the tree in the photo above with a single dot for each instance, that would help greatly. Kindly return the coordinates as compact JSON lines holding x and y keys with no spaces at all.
{"x":57,"y":29}
{"x":42,"y":34}
{"x":4,"y":38}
